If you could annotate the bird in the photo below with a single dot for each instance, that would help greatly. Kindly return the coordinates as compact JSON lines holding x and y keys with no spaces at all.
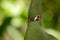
{"x":35,"y":30}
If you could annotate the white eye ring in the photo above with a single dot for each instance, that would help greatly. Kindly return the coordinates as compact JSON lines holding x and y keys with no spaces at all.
{"x":35,"y":18}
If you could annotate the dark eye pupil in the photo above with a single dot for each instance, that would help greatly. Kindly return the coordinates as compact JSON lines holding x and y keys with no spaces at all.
{"x":36,"y":19}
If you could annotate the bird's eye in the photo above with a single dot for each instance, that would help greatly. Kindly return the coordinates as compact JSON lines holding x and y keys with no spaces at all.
{"x":37,"y":18}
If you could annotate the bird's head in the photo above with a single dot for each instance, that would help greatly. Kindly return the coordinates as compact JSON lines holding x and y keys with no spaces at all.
{"x":36,"y":18}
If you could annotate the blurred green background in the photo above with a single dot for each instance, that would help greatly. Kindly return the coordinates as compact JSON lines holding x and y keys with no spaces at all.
{"x":16,"y":13}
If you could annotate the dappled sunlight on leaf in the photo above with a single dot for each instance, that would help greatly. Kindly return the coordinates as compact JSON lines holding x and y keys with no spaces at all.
{"x":14,"y":33}
{"x":14,"y":9}
{"x":16,"y":22}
